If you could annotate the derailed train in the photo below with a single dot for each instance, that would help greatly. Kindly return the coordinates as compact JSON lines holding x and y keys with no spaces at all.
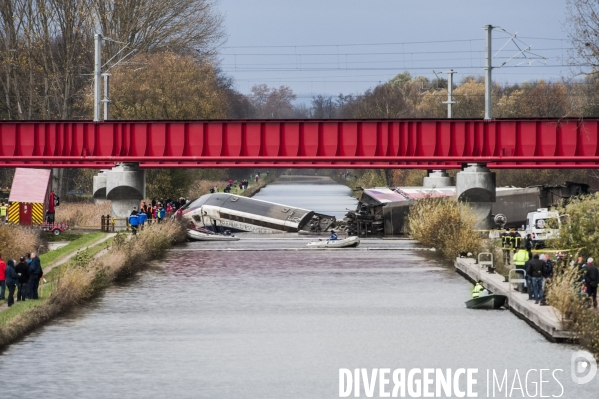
{"x":231,"y":212}
{"x":383,"y":211}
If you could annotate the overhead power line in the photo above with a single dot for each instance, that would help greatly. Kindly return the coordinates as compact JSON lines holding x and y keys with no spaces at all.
{"x":376,"y":53}
{"x":384,"y":43}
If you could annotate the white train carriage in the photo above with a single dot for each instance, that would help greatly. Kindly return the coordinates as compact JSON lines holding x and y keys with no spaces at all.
{"x":232,"y":212}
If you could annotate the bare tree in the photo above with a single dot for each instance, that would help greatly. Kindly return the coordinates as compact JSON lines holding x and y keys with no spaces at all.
{"x":272,"y":102}
{"x":583,"y":29}
{"x":323,"y":107}
{"x":46,"y":46}
{"x":179,"y":25}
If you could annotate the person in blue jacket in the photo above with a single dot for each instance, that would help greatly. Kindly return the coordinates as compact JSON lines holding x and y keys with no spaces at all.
{"x":12,"y":278}
{"x":134,"y":222}
{"x":142,"y":217}
{"x":333,"y":236}
{"x":35,"y":274}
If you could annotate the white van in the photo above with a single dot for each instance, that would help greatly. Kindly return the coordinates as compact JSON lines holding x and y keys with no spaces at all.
{"x":537,"y":224}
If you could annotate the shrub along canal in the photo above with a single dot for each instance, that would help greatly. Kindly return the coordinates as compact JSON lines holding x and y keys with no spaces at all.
{"x":272,"y":320}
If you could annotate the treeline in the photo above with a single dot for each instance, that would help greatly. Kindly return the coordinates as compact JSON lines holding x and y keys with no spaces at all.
{"x":405,"y":96}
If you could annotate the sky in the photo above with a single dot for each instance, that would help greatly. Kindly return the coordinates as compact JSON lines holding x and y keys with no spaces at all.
{"x":347,"y":46}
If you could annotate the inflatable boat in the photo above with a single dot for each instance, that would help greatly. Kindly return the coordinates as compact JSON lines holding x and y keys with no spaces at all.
{"x":196,"y":235}
{"x":348,"y":242}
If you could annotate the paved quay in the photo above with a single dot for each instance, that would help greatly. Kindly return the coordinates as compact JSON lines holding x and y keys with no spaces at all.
{"x":546,"y":319}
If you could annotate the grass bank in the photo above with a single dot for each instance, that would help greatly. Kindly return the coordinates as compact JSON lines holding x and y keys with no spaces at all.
{"x":85,"y":277}
{"x":52,"y":257}
{"x":202,"y":187}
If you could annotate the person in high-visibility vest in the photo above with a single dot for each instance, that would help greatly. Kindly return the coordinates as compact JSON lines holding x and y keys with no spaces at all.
{"x":477,"y":290}
{"x":3,"y":209}
{"x":520,"y":258}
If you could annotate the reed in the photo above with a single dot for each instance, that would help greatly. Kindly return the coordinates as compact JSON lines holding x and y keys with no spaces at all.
{"x":16,"y":241}
{"x":82,"y":215}
{"x":446,"y":225}
{"x":565,"y":294}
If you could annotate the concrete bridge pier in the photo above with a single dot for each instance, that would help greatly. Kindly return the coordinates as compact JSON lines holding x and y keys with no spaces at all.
{"x":475,"y":184}
{"x":125,"y":187}
{"x":436,"y":179}
{"x":99,"y":188}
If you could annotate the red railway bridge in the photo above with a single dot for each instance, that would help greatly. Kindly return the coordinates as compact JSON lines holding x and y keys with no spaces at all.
{"x":384,"y":143}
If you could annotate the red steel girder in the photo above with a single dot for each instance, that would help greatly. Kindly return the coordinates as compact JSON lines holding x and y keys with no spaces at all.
{"x":422,"y":144}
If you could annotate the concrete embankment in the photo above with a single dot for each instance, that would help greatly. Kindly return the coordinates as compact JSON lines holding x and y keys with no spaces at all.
{"x":545,"y":319}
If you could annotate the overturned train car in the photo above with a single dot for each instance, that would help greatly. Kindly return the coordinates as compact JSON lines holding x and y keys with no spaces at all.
{"x":223,"y":211}
{"x":383,"y":211}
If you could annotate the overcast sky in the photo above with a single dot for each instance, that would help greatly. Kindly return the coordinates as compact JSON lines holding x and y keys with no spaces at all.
{"x":347,"y":46}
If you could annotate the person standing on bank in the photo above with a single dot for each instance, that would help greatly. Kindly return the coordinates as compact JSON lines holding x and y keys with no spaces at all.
{"x":35,"y":274}
{"x":530,"y":290}
{"x":528,"y":245}
{"x":591,"y":280}
{"x":516,"y":238}
{"x":547,"y":277}
{"x":2,"y":278}
{"x":3,"y":210}
{"x":536,"y":273}
{"x":506,"y":245}
{"x":11,"y":281}
{"x":520,"y":258}
{"x":23,"y":272}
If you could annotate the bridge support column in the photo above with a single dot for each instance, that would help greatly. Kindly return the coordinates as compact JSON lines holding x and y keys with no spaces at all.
{"x":437,"y":178}
{"x":99,"y":188}
{"x":125,"y":188}
{"x":475,"y":184}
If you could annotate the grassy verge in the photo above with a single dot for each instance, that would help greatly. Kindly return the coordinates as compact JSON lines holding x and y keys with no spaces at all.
{"x":82,"y":255}
{"x":67,"y":236}
{"x":52,"y":257}
{"x":84,"y":277}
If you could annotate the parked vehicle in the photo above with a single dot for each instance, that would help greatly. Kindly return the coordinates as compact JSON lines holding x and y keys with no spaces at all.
{"x":543,"y":224}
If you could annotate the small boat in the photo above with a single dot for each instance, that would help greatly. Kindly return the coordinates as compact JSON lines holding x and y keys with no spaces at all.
{"x":331,"y":244}
{"x":207,"y":235}
{"x":489,"y":301}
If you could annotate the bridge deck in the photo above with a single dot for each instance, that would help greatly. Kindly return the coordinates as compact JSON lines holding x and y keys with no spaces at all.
{"x":421,"y":144}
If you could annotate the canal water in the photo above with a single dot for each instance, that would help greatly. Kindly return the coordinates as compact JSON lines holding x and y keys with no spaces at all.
{"x":265,"y":318}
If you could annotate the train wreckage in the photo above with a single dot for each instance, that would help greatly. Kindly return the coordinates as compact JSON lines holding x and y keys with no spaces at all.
{"x":381,"y":211}
{"x":221,"y":211}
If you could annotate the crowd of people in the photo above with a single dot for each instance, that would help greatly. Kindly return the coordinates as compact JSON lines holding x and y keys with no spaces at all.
{"x":539,"y":268}
{"x":154,"y":212}
{"x":24,"y":277}
{"x":243,"y":184}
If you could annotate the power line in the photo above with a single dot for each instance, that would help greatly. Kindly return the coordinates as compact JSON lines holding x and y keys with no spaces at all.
{"x":375,"y":53}
{"x":386,"y":43}
{"x":428,"y":68}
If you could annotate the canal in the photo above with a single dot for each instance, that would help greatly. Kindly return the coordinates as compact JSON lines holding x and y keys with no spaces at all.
{"x":265,"y":318}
